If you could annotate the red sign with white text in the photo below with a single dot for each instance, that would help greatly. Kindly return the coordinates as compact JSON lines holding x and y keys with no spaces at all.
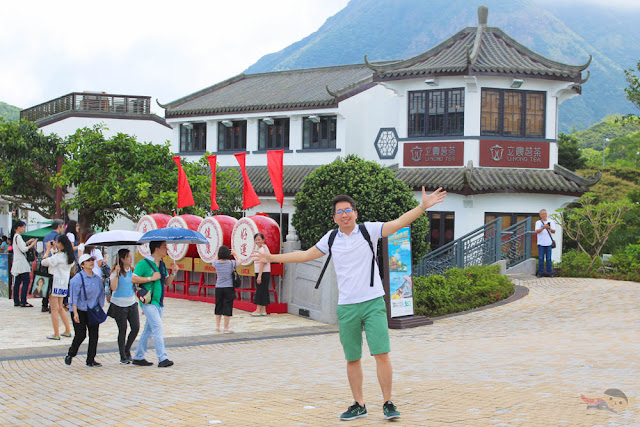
{"x":433,"y":153}
{"x":514,"y":154}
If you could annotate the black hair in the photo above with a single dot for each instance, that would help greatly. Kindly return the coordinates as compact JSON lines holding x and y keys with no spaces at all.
{"x":343,"y":198}
{"x":18,"y":223}
{"x":224,"y":252}
{"x":258,"y":234}
{"x":155,"y":245}
{"x":5,"y":238}
{"x":67,"y":248}
{"x":71,"y":229}
{"x":122,"y":254}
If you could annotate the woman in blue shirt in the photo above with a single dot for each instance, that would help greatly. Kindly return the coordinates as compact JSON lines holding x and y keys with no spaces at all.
{"x":92,"y":284}
{"x":124,"y":304}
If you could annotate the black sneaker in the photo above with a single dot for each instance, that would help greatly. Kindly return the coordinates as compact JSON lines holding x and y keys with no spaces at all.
{"x":354,"y":411}
{"x":94,"y":364}
{"x":165,"y":363}
{"x":141,"y":362}
{"x":125,"y":361}
{"x":389,"y":411}
{"x":68,"y":359}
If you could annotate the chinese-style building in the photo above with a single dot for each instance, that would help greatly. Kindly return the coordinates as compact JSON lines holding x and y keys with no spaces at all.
{"x":476,"y":114}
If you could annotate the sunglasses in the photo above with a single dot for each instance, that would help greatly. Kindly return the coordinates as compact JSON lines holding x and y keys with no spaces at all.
{"x":340,"y":211}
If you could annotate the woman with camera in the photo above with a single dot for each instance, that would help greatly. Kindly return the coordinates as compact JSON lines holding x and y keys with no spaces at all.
{"x":60,"y":265}
{"x":21,"y":267}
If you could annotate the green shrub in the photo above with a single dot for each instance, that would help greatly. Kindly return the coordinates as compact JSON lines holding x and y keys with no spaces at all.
{"x":577,"y":264}
{"x":626,"y":265}
{"x":460,"y":290}
{"x":379,"y":194}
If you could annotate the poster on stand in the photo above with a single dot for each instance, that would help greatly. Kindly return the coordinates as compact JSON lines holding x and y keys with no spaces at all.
{"x":4,"y":275}
{"x":400,"y":283}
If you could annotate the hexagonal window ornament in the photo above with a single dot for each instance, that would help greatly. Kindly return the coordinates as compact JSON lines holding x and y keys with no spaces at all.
{"x":387,"y":143}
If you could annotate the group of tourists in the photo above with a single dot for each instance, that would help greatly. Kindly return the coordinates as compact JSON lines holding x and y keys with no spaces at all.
{"x":81,"y":279}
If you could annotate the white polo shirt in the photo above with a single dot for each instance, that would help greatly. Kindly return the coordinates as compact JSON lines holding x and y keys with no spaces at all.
{"x":544,"y":236}
{"x":352,"y":257}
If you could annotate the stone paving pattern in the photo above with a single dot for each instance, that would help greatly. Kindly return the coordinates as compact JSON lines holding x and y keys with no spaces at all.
{"x":525,"y":363}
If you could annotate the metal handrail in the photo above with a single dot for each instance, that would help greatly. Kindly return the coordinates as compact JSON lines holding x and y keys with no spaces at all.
{"x":484,"y":245}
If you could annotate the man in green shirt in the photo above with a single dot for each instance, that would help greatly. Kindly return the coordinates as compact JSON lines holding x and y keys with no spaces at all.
{"x":151,"y":274}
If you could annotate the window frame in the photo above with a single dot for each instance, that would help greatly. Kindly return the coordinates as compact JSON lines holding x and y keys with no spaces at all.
{"x":331,"y":136}
{"x":237,"y":143}
{"x":274,"y":141}
{"x":194,"y":139}
{"x":424,"y":120}
{"x":524,"y":131}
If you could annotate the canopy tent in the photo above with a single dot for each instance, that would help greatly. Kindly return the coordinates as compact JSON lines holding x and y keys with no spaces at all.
{"x":38,"y":233}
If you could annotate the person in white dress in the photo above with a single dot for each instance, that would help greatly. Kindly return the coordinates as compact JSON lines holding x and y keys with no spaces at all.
{"x":60,"y":265}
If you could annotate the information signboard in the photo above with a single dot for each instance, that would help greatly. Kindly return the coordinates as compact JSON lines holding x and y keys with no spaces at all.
{"x":399,"y":265}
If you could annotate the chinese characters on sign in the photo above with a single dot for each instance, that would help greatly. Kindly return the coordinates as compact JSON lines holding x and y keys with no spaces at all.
{"x":515,"y":154}
{"x":434,"y":153}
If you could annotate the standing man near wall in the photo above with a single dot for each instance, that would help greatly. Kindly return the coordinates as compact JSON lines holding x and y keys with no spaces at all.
{"x":544,"y":228}
{"x":361,"y":297}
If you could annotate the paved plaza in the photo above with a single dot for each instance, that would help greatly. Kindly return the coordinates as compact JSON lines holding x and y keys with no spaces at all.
{"x":525,"y":363}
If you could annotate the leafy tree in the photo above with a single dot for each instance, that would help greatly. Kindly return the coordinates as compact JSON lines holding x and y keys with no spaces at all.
{"x":633,"y":90}
{"x":28,"y":162}
{"x":121,"y":176}
{"x":379,"y":194}
{"x":591,"y":223}
{"x":569,"y":154}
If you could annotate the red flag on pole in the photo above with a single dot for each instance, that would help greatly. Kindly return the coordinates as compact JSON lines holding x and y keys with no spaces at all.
{"x":275,"y":166}
{"x":212,"y":163}
{"x":249,"y":196}
{"x":185,"y":197}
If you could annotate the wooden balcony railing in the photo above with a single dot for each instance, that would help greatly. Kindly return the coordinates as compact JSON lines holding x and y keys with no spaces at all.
{"x":89,"y":102}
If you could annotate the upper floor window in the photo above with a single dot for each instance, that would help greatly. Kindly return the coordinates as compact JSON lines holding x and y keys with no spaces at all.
{"x":516,"y":113}
{"x":436,"y":112}
{"x":234,"y":137}
{"x":273,"y":136}
{"x":193,"y":137}
{"x":319,"y":132}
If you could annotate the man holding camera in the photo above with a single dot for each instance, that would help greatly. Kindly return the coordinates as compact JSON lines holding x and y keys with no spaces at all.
{"x":545,"y":227}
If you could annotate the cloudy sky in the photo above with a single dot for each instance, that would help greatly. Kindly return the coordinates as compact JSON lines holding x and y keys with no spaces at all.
{"x":163,"y":49}
{"x":160,"y":49}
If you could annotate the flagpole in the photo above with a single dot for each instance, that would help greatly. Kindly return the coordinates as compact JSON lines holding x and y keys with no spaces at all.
{"x":281,"y":229}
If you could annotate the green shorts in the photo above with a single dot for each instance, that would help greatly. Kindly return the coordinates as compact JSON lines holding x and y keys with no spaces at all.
{"x":368,"y":315}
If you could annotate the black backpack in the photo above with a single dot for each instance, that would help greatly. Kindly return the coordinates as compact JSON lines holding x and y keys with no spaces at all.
{"x":367,"y":237}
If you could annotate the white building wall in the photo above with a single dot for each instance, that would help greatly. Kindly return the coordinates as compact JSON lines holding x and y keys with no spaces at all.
{"x":143,"y":130}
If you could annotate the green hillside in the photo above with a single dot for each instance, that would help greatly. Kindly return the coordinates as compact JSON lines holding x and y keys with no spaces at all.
{"x":9,"y":112}
{"x":398,"y":29}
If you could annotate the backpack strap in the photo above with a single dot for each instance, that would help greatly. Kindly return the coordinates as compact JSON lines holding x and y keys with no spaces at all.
{"x":332,"y":237}
{"x":367,"y":237}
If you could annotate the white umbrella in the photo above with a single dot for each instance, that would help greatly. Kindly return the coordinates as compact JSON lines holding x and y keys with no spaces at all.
{"x":114,"y":238}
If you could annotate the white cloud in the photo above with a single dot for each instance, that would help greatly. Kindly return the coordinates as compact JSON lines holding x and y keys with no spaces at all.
{"x":157,"y":48}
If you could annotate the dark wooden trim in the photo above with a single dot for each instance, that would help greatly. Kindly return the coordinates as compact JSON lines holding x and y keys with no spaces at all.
{"x":473,"y":137}
{"x":100,"y":115}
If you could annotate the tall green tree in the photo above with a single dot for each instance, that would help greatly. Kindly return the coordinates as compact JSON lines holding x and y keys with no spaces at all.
{"x":633,"y":90}
{"x":28,"y":165}
{"x":569,"y":154}
{"x":379,"y":195}
{"x":121,"y":176}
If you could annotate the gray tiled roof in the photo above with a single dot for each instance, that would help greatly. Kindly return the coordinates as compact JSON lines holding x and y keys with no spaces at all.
{"x":477,"y":50}
{"x":470,"y":180}
{"x":292,"y":183}
{"x":274,"y":91}
{"x":465,"y":180}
